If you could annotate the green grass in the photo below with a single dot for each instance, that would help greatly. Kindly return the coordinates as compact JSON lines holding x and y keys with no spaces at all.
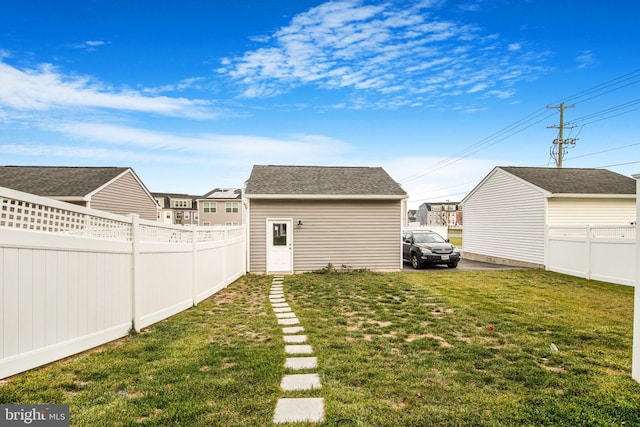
{"x":401,"y":349}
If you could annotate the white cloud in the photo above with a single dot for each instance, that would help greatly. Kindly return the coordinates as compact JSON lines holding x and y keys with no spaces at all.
{"x":89,"y":45}
{"x":439,"y":183}
{"x":45,"y":89}
{"x":192,"y":82}
{"x":514,"y":47}
{"x":585,"y":59}
{"x":218,"y":148}
{"x":387,"y":51}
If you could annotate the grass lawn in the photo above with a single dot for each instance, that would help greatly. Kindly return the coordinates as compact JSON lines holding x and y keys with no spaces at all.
{"x":398,"y":349}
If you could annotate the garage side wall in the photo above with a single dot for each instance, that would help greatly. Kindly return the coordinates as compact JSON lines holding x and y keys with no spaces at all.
{"x":504,"y":221}
{"x":570,"y":211}
{"x":357,"y":234}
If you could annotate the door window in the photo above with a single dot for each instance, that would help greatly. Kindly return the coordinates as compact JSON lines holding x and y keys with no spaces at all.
{"x":280,"y":234}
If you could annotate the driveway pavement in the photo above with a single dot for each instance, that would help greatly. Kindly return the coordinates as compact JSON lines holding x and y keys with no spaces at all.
{"x":463,"y":265}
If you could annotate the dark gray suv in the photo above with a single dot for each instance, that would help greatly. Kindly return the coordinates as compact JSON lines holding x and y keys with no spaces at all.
{"x":425,"y":247}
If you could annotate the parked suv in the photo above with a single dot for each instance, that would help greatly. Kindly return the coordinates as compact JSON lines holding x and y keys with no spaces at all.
{"x":425,"y":247}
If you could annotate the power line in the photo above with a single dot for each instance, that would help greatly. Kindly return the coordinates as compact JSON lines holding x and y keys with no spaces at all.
{"x":603,"y":151}
{"x":530,"y":120}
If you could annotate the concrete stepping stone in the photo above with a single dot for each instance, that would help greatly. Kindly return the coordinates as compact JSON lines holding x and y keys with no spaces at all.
{"x":298,"y":349}
{"x":277,"y":289}
{"x":298,"y":363}
{"x":299,"y":410}
{"x":296,"y":382}
{"x":292,"y":330}
{"x":289,"y":315}
{"x":279,"y":294}
{"x":281,"y":309}
{"x":280,"y":304}
{"x":277,"y":300}
{"x":288,"y":322}
{"x":295,"y":339}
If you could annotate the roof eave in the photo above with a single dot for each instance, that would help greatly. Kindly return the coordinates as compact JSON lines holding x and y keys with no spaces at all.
{"x":590,"y":196}
{"x":328,"y":196}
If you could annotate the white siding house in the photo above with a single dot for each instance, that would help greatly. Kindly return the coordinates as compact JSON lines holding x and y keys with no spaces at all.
{"x":507,"y":213}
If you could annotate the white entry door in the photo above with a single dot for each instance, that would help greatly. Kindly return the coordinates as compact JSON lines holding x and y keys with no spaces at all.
{"x":279,"y":245}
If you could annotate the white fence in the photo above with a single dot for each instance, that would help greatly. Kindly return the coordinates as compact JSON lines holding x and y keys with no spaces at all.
{"x":598,"y":252}
{"x":73,"y":278}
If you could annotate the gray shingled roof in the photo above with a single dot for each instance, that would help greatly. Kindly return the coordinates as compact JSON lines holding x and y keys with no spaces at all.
{"x":575,"y":180}
{"x":57,"y":181}
{"x":322,"y":180}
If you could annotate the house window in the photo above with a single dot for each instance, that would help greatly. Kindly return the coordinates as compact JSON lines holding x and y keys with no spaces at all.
{"x":195,"y":216}
{"x":182,"y":203}
{"x":206,"y":223}
{"x":186,"y":215}
{"x":210,"y":207}
{"x":231,"y":223}
{"x":231,"y":207}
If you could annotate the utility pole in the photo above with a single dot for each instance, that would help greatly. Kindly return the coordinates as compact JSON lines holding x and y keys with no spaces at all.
{"x":558,"y":150}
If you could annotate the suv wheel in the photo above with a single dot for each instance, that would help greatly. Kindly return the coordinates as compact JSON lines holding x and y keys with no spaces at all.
{"x":415,"y":263}
{"x":453,"y":265}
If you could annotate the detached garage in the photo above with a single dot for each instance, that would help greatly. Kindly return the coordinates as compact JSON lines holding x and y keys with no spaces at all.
{"x":301,"y":218}
{"x":506,"y":214}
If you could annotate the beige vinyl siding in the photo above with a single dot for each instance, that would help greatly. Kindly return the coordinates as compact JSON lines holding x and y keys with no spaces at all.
{"x":579,"y":211}
{"x":125,"y":196}
{"x":358,"y":234}
{"x":220,"y":217}
{"x":505,"y":219}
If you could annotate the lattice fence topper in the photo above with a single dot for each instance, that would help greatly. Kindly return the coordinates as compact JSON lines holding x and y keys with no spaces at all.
{"x":27,"y":215}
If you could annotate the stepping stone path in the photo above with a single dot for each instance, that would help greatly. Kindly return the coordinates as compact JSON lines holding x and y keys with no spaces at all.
{"x":300,"y":409}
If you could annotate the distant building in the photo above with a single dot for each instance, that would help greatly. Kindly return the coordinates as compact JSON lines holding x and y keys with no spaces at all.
{"x":177,"y":208}
{"x":411,"y":217}
{"x":447,"y":214}
{"x":220,"y":206}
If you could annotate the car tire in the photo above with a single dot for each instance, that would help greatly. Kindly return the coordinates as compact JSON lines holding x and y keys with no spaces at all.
{"x":415,"y":262}
{"x":453,"y":265}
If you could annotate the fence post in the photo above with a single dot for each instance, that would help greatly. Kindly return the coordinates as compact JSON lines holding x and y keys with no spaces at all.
{"x":588,"y":242}
{"x":194,"y":263}
{"x":135,"y":270}
{"x":635,"y":358}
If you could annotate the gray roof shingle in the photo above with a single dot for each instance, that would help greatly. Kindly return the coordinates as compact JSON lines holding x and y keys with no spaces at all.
{"x":322,"y":180}
{"x":575,"y":180}
{"x":57,"y":181}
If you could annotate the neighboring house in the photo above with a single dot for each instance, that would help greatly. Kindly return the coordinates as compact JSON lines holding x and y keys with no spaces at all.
{"x":411,"y":217}
{"x":302,"y":218}
{"x":446,"y":214}
{"x":113,"y":189}
{"x":507,"y":213}
{"x":221,"y":206}
{"x":178,"y":209}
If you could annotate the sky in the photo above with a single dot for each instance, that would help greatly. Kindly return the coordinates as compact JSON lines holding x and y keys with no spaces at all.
{"x":191,"y":94}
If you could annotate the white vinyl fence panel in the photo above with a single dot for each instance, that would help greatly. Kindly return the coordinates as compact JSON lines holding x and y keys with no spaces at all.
{"x":606,"y":253}
{"x":72,"y":278}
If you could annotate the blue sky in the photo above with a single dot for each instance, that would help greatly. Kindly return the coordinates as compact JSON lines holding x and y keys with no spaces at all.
{"x":191,"y":94}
